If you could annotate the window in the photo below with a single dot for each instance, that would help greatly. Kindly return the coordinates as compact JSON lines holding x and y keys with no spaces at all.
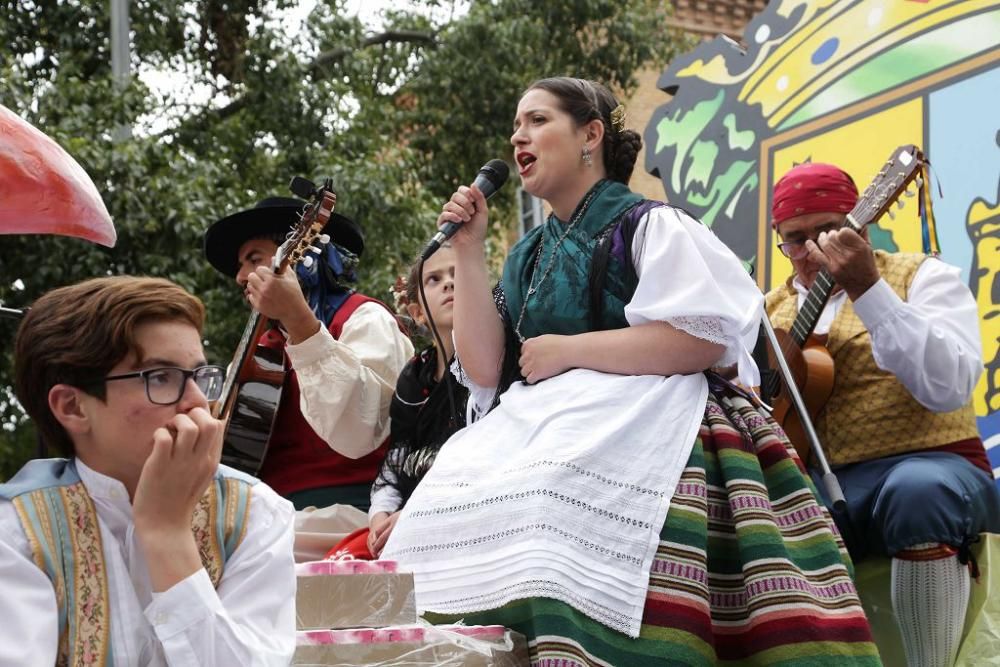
{"x":532,"y":214}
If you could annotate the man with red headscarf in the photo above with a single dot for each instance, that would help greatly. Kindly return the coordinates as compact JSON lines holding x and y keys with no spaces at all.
{"x":899,"y":428}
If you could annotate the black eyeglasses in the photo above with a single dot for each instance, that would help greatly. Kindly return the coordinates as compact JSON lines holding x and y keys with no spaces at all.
{"x":797,"y":249}
{"x":165,"y":386}
{"x":793,"y":249}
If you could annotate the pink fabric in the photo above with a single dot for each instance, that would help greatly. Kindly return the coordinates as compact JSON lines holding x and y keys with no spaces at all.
{"x":395,"y":634}
{"x":330,"y":567}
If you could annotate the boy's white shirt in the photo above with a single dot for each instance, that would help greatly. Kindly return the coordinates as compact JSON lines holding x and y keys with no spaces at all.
{"x":249,"y":620}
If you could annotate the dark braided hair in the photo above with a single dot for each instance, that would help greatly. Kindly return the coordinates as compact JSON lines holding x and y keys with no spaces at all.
{"x":586,"y":100}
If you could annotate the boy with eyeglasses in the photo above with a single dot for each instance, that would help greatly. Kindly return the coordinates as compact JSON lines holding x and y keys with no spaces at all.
{"x":139,"y":548}
{"x":899,"y":428}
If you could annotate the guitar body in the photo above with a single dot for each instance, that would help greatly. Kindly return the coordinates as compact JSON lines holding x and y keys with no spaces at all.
{"x":255,"y":406}
{"x":813,"y":371}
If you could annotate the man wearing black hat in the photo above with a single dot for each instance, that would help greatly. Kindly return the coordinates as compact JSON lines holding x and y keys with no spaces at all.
{"x":345,"y":351}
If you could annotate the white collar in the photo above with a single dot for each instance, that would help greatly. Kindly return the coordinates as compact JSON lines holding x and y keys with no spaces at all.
{"x":100,"y":485}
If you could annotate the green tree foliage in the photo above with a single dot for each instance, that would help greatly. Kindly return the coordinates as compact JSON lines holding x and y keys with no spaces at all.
{"x":397,"y":117}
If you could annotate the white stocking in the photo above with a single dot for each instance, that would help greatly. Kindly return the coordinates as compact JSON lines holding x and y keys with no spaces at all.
{"x":930,"y":592}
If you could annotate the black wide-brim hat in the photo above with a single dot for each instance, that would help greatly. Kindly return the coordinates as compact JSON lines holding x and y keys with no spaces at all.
{"x":273,"y":216}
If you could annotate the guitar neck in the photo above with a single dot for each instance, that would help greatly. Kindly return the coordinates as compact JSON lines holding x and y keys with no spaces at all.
{"x":251,"y":332}
{"x":307,"y":230}
{"x":903,"y":166}
{"x":812,"y":308}
{"x":822,"y":287}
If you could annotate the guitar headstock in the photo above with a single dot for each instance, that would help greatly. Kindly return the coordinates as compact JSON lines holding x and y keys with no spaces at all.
{"x":902,"y":168}
{"x":315,"y":214}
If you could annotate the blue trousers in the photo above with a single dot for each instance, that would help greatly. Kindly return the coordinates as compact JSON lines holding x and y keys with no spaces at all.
{"x":898,"y":501}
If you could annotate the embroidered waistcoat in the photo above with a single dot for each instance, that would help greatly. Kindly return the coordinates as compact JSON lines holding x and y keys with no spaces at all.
{"x":870,"y":414}
{"x":60,"y":521}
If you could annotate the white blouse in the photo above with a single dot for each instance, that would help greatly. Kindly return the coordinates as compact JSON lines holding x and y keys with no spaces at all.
{"x":562,"y":489}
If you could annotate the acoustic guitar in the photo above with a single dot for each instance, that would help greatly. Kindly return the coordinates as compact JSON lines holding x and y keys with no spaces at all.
{"x":252,"y":391}
{"x":810,"y":362}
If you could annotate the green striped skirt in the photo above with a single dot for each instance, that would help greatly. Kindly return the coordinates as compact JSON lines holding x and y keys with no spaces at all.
{"x":750,"y":569}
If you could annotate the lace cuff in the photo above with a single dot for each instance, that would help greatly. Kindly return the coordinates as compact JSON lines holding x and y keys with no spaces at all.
{"x":480,"y":398}
{"x":710,"y":329}
{"x":459,"y":373}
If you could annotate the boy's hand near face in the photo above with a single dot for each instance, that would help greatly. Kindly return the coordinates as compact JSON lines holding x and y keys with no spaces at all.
{"x":183,"y":461}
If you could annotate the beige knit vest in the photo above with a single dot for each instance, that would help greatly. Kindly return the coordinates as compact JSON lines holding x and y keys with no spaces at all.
{"x":871,"y":414}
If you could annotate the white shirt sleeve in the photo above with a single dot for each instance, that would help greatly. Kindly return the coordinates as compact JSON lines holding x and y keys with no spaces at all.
{"x":250,"y":618}
{"x":346,"y":385}
{"x":689,"y":279}
{"x":930,"y":342}
{"x":29,"y":633}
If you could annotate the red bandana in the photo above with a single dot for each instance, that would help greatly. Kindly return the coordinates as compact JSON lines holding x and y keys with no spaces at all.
{"x":812,"y":187}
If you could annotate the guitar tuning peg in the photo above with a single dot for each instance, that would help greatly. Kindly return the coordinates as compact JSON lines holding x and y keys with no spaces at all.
{"x":919,"y":181}
{"x":908,"y":193}
{"x":308,"y":261}
{"x":316,"y":250}
{"x":900,"y":204}
{"x":892,"y":216}
{"x":324,"y":238}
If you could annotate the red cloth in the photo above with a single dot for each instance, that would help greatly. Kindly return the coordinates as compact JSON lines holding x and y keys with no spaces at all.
{"x":354,"y":546}
{"x":298,"y":459}
{"x":813,"y":187}
{"x":972,"y":450}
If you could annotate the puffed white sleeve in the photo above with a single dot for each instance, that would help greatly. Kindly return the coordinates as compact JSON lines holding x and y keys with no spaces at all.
{"x":346,"y":385}
{"x":29,"y":634}
{"x":930,"y":342}
{"x":692,"y":281}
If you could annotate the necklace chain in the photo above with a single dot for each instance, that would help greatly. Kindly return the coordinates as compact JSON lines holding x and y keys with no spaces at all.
{"x":532,"y":288}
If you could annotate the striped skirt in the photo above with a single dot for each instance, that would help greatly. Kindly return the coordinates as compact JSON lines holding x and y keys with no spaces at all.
{"x":750,"y":569}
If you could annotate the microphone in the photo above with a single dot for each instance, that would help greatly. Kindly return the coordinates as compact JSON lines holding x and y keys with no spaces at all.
{"x":489,"y":179}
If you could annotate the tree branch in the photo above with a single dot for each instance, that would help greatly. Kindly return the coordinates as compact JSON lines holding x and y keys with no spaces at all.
{"x":402,"y":36}
{"x":316,"y":68}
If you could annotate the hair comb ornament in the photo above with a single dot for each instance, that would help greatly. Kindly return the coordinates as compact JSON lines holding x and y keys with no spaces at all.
{"x":399,"y":298}
{"x":618,"y":118}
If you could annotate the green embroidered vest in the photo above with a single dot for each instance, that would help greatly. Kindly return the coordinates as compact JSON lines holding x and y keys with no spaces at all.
{"x":554,"y":261}
{"x":60,"y":521}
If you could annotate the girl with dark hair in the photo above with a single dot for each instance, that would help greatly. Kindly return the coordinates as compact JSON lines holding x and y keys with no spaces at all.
{"x":620,"y":504}
{"x":428,"y":405}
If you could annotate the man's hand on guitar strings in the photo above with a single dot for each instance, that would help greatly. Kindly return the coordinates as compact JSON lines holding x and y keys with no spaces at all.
{"x":279,"y":297}
{"x":848,"y":257}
